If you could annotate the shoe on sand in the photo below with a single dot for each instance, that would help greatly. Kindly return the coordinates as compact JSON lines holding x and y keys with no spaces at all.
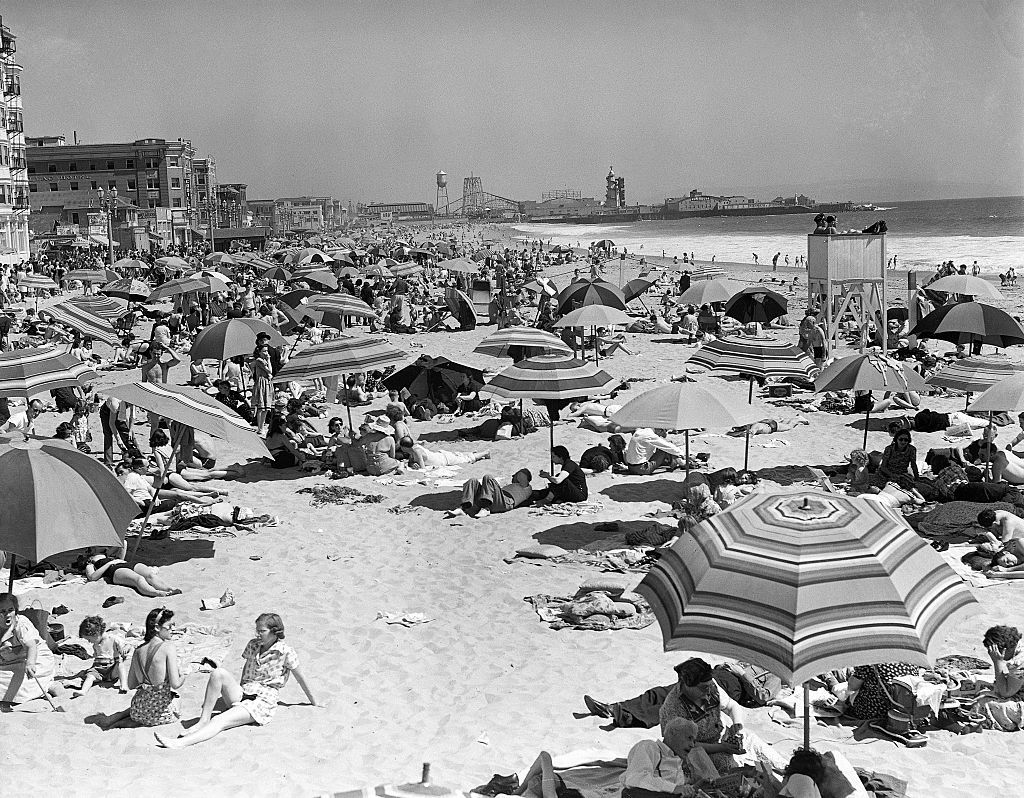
{"x":597,"y":708}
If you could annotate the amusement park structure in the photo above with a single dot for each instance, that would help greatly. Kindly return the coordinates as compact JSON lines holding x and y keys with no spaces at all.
{"x":474,"y":202}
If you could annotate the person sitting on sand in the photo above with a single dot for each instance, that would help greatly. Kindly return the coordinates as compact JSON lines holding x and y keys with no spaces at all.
{"x":660,"y":767}
{"x":1000,"y":526}
{"x":648,"y":450}
{"x":768,"y":426}
{"x":569,"y":484}
{"x":420,"y":456}
{"x":481,"y":497}
{"x":140,"y":577}
{"x":166,"y":463}
{"x":154,"y":675}
{"x":899,"y":462}
{"x":867,"y":697}
{"x":1003,"y":704}
{"x":269,"y":661}
{"x":110,"y":656}
{"x":140,"y":486}
{"x":379,"y":449}
{"x":27,"y":666}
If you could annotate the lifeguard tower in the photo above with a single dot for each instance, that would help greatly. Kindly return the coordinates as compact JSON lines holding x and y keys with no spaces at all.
{"x":846,"y":275}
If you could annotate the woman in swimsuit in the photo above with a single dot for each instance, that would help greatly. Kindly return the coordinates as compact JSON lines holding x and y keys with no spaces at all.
{"x":154,"y":675}
{"x":116,"y":571}
{"x":421,"y":457}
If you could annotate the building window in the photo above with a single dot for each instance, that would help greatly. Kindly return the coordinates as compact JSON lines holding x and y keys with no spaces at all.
{"x":129,"y":163}
{"x":152,"y":182}
{"x":74,"y":186}
{"x":72,"y":167}
{"x":54,"y":187}
{"x":33,"y":187}
{"x":131,"y":184}
{"x":110,"y":164}
{"x":74,"y":218}
{"x":174,"y":162}
{"x":31,"y":170}
{"x":176,"y":203}
{"x":152,"y":203}
{"x":92,"y":167}
{"x":111,"y":184}
{"x":51,"y":167}
{"x":93,"y":185}
{"x":175,"y":182}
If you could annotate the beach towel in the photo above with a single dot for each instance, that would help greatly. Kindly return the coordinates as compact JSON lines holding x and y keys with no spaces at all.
{"x":567,"y":509}
{"x":594,"y":612}
{"x":956,"y":519}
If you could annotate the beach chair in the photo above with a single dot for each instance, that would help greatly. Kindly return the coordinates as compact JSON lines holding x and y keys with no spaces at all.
{"x":823,"y":480}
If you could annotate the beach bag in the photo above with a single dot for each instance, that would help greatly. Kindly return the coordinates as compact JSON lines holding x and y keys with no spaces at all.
{"x":40,"y":619}
{"x":758,"y":686}
{"x":504,"y":433}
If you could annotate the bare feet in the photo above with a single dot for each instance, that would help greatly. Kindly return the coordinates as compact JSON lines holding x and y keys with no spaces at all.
{"x":165,"y":741}
{"x":483,"y":513}
{"x":455,"y":513}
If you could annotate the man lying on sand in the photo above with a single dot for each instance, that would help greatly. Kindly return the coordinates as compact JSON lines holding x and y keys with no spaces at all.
{"x":481,"y":497}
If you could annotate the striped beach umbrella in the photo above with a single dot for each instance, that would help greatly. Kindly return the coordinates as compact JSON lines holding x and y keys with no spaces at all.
{"x":974,"y":374}
{"x":755,"y":358}
{"x":520,"y":343}
{"x":36,"y":282}
{"x":215,"y":281}
{"x":406,"y":269}
{"x":215,"y":259}
{"x":103,"y":306}
{"x":590,"y":292}
{"x":183,"y":285}
{"x":127,"y":288}
{"x":340,"y":304}
{"x":91,"y":275}
{"x":378,"y":271}
{"x":970,"y":323}
{"x":232,"y":337}
{"x":801,"y":582}
{"x":276,"y":273}
{"x":313,"y":255}
{"x":58,"y":499}
{"x":129,"y":263}
{"x":868,"y":372}
{"x":27,"y":372}
{"x":635,"y":288}
{"x":88,"y":324}
{"x":317,"y":277}
{"x":345,"y":355}
{"x":173,"y":262}
{"x":594,"y":316}
{"x":348,"y":271}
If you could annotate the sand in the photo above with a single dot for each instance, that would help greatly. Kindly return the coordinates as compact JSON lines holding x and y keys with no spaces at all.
{"x":481,"y":688}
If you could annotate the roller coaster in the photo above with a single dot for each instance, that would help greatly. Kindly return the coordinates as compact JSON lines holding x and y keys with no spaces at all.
{"x":476,"y":203}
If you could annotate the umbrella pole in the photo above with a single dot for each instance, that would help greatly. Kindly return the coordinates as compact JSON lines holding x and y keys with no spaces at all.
{"x":867,"y":422}
{"x":746,"y":444}
{"x":344,"y":398}
{"x":988,"y":449}
{"x":551,"y":430}
{"x":597,"y":347}
{"x":10,"y":579}
{"x":687,"y":435}
{"x":807,"y":717}
{"x":152,"y":503}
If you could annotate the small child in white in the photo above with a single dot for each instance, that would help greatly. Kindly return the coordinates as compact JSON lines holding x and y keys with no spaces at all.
{"x":110,"y":656}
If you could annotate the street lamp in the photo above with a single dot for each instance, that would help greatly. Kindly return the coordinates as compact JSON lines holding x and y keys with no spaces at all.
{"x":210,"y":206}
{"x":108,"y":202}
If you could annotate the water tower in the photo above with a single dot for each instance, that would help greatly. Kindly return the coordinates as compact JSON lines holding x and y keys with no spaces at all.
{"x":442,"y":194}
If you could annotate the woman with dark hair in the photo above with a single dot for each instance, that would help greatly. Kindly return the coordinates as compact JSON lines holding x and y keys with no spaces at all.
{"x":279,"y":444}
{"x":253,"y":699}
{"x":697,"y":697}
{"x":140,"y":577}
{"x":570,"y":483}
{"x":1003,"y":705}
{"x":154,"y":675}
{"x":27,"y":666}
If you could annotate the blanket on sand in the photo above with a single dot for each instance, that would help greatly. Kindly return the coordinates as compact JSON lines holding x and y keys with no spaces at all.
{"x":595,"y":612}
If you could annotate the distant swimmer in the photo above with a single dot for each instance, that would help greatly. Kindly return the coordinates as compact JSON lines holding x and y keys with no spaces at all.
{"x":775,"y":261}
{"x":755,"y":259}
{"x":975,"y":269}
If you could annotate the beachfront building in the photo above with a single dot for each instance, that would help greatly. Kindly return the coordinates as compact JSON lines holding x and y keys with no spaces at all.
{"x":560,"y":207}
{"x":205,"y":205}
{"x":263,"y":213}
{"x":396,"y":211}
{"x":154,"y":178}
{"x":14,"y":194}
{"x":234,"y":210}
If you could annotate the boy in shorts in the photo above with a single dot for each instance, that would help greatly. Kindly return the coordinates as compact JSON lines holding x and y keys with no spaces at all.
{"x":110,"y":656}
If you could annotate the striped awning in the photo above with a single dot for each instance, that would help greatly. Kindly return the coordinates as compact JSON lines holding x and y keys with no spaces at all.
{"x":345,"y":355}
{"x":754,"y":357}
{"x":27,"y":372}
{"x":550,"y":377}
{"x":193,"y":408}
{"x":801,"y":582}
{"x":88,"y":324}
{"x":973,"y":374}
{"x":103,"y":306}
{"x":536,"y":342}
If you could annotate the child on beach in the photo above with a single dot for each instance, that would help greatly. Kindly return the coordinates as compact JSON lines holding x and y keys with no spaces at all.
{"x":110,"y":656}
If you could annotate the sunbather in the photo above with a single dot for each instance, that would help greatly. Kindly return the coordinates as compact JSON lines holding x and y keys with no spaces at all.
{"x":115,"y":571}
{"x":481,"y":497}
{"x":768,"y":426}
{"x":420,"y":456}
{"x":659,"y":767}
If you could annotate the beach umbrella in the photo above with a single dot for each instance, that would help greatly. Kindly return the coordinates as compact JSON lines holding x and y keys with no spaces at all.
{"x":604,"y":243}
{"x":1007,"y":395}
{"x":183,"y":285}
{"x":91,"y":275}
{"x":295,"y":297}
{"x":83,"y":321}
{"x":126,"y":288}
{"x":37,"y":282}
{"x":542,"y":285}
{"x":27,"y":372}
{"x":318,"y":277}
{"x":214,"y":280}
{"x":341,"y":304}
{"x":970,"y":323}
{"x":348,"y":271}
{"x":555,"y":377}
{"x":443,"y":249}
{"x":406,"y":269}
{"x":756,"y":304}
{"x":58,"y":499}
{"x":276,"y":273}
{"x":462,"y":265}
{"x":172,"y":262}
{"x":232,"y":337}
{"x":103,"y":306}
{"x":521,"y":343}
{"x":898,"y":313}
{"x":313,"y":255}
{"x":256,"y":262}
{"x":215,"y":259}
{"x":684,"y":406}
{"x":754,"y":358}
{"x":870,"y":371}
{"x":594,"y":316}
{"x":635,"y":288}
{"x":129,"y":263}
{"x":965,"y":285}
{"x":801,"y":582}
{"x":704,"y":292}
{"x":973,"y":374}
{"x":560,"y":249}
{"x":341,"y":256}
{"x":436,"y":378}
{"x":378,"y":271}
{"x":592,"y":291}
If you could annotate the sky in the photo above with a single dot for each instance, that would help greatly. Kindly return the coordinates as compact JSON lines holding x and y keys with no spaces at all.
{"x":365,"y":101}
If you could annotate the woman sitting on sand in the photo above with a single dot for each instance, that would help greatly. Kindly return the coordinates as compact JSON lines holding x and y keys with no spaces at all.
{"x":252,"y":699}
{"x":899,"y":462}
{"x":570,"y":483}
{"x":280,"y":444}
{"x":421,"y":457}
{"x":115,"y":571}
{"x":154,"y":675}
{"x":379,"y":450}
{"x":26,"y":664}
{"x":1003,"y":706}
{"x":167,"y":464}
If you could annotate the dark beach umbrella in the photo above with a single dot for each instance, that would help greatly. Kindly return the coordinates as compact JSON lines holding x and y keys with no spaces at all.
{"x":276,"y":273}
{"x":635,"y":288}
{"x":604,"y":243}
{"x":970,"y":323}
{"x":756,"y":304}
{"x":320,"y":278}
{"x":898,"y":313}
{"x":128,"y":289}
{"x":560,"y":249}
{"x":590,"y":292}
{"x":436,"y":378}
{"x":232,"y":337}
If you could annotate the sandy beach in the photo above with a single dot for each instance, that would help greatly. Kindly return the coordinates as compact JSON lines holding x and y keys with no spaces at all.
{"x":484,"y":685}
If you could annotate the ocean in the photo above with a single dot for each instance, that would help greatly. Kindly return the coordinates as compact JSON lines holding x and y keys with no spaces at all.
{"x":921,"y":234}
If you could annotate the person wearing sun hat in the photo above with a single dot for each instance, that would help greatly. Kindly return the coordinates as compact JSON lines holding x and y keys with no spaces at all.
{"x":378,"y":446}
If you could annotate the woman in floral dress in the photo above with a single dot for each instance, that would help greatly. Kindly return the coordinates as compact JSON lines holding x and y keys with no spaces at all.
{"x":253,"y":699}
